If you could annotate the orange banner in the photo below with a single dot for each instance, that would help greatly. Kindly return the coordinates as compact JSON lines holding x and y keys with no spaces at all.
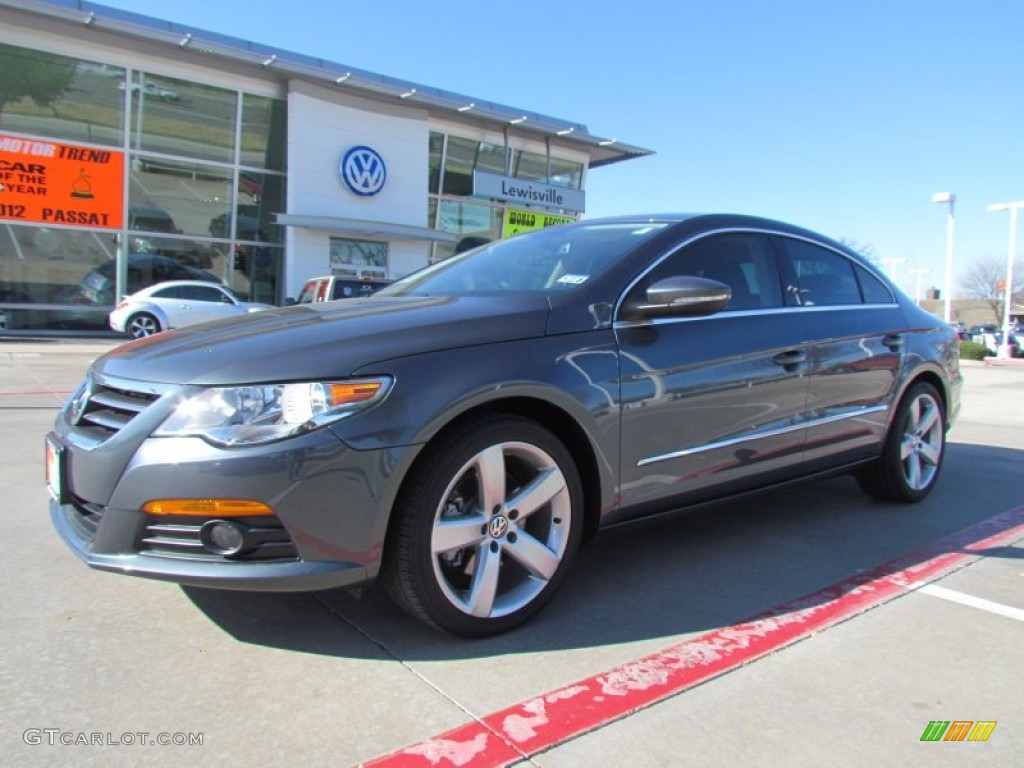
{"x":49,"y":183}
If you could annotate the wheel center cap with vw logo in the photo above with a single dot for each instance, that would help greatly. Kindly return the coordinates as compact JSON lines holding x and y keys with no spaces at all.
{"x":363,"y":171}
{"x":498,"y":526}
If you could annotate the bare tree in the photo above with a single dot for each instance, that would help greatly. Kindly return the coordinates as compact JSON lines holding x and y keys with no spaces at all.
{"x":867,"y":250}
{"x":985,"y":279}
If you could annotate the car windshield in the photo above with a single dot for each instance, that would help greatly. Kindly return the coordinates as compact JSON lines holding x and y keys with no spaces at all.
{"x":546,"y":261}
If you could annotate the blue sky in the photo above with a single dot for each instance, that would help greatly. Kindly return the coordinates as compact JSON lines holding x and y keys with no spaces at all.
{"x":843,"y":117}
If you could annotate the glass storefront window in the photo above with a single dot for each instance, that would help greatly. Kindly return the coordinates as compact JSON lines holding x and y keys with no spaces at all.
{"x":180,"y":117}
{"x":466,"y":219}
{"x":566,"y":173}
{"x":359,"y":258}
{"x":530,"y":166}
{"x":46,"y":94}
{"x":174,"y":197}
{"x":264,"y":132}
{"x":255,"y":272}
{"x":202,"y":188}
{"x":436,"y":149}
{"x":463,"y":157}
{"x":49,"y":266}
{"x":259,"y":196}
{"x":452,"y":160}
{"x":535,"y":167}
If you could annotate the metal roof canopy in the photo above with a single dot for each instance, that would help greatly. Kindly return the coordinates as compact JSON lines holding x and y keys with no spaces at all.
{"x":344,"y":226}
{"x":602,"y":151}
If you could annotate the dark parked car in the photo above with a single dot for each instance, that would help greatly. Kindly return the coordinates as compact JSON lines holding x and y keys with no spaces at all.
{"x":460,"y":433}
{"x":144,"y":269}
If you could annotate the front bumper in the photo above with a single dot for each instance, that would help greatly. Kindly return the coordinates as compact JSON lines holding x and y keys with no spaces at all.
{"x":255,"y":576}
{"x":330,"y":507}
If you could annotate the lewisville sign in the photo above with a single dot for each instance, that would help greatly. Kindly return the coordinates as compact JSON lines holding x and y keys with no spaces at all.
{"x":529,"y":192}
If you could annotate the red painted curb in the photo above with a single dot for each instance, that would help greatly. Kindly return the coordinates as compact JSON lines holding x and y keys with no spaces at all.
{"x":530,"y":727}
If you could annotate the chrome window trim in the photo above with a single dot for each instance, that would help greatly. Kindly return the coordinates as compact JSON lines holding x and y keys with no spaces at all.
{"x":760,"y":435}
{"x":733,"y":313}
{"x":622,"y":324}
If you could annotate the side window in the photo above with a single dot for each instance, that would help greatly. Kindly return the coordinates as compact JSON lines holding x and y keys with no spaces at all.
{"x":873,"y":289}
{"x":819,"y":277}
{"x":343,"y":290}
{"x":173,"y":292}
{"x":201,"y":293}
{"x":321,"y":293}
{"x":307,"y":292}
{"x":742,"y":261}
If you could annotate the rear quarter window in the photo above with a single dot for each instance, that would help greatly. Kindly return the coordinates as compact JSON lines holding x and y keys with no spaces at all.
{"x":874,"y":290}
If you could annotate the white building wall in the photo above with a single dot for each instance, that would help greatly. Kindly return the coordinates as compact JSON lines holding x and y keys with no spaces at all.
{"x":324,"y":124}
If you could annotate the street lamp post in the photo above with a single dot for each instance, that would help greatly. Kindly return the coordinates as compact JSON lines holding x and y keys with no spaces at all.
{"x":1004,"y":348}
{"x":919,"y":274}
{"x":947,"y":290}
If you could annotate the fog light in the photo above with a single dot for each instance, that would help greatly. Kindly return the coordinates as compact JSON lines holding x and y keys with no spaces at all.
{"x":222,"y":537}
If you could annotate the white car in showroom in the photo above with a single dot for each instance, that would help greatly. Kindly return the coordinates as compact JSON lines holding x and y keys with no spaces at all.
{"x":175,"y":303}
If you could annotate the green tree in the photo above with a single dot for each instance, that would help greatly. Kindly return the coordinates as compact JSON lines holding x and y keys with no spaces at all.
{"x":43,"y":77}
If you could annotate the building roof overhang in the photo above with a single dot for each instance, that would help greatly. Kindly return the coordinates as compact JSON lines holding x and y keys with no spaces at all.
{"x":602,"y":151}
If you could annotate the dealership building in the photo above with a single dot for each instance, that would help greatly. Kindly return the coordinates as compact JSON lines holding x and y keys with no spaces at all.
{"x":135,"y":150}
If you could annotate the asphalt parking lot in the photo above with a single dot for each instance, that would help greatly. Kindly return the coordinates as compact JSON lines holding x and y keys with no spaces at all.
{"x":812,"y":626}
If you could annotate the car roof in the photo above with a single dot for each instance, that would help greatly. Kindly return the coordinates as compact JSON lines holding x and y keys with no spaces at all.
{"x":175,"y":283}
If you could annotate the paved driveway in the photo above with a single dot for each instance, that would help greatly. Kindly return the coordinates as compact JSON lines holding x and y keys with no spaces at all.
{"x":116,"y":665}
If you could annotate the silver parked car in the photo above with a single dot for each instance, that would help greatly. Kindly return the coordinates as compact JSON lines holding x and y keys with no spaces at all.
{"x":175,"y":304}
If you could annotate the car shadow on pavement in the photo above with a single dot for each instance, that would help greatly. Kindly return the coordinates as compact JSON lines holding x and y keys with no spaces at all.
{"x":660,"y":580}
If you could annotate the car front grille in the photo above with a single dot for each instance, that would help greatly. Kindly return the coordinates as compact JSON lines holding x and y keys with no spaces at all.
{"x":179,"y":537}
{"x":107,"y":410}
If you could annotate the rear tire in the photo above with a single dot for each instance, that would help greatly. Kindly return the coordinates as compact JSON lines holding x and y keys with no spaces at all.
{"x":914,"y":449}
{"x":142,"y":325}
{"x":486,"y":527}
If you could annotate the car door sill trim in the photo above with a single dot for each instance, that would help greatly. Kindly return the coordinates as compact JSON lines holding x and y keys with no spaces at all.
{"x":760,"y":435}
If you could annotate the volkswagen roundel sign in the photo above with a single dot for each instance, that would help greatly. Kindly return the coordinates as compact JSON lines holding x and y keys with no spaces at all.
{"x":363,"y":171}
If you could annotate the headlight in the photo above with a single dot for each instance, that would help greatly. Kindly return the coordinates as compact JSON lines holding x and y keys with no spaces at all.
{"x":260,"y":413}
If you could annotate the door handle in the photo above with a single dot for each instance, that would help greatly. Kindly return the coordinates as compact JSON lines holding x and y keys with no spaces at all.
{"x":893,"y":341}
{"x":790,"y":358}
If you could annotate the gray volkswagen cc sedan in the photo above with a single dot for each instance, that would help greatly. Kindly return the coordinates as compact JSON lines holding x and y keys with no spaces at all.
{"x":462,"y":432}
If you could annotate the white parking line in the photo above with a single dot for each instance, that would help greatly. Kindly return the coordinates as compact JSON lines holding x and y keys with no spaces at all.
{"x":973,"y":602}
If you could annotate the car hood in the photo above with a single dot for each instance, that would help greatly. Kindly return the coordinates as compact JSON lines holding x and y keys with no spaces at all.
{"x":324,"y":340}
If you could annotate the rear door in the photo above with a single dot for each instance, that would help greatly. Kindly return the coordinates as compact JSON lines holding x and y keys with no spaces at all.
{"x":713,"y":404}
{"x":205,"y":302}
{"x":857,"y":341}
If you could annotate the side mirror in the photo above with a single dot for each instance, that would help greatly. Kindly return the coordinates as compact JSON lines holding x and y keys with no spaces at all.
{"x":289,"y":302}
{"x":684,"y":296}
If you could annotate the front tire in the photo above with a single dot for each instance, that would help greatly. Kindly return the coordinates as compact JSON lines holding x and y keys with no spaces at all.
{"x":486,"y":527}
{"x":142,"y":325}
{"x":914,"y":449}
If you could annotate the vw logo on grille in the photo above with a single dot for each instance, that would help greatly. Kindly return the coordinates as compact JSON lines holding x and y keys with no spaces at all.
{"x":363,"y":171}
{"x":78,"y":405}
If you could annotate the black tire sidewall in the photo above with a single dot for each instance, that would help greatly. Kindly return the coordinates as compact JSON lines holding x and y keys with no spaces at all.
{"x":417,"y":507}
{"x":892,"y":456}
{"x":137,"y":315}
